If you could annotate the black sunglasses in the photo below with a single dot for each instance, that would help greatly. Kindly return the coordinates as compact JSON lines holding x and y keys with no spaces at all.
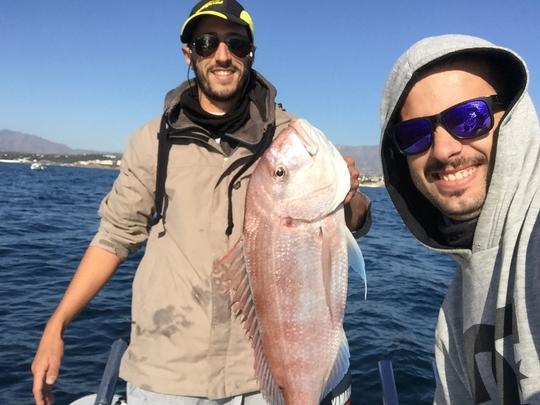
{"x":466,"y":120}
{"x":206,"y":44}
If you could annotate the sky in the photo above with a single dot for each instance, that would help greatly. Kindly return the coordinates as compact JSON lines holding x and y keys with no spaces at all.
{"x":88,"y":73}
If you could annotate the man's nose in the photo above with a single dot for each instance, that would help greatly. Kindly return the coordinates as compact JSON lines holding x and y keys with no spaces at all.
{"x":444,"y":144}
{"x":223,"y":54}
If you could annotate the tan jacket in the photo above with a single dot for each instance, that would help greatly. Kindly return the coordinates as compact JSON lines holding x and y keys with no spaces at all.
{"x":184,"y":339}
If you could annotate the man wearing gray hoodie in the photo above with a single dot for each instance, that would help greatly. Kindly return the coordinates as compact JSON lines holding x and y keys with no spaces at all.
{"x":460,"y":149}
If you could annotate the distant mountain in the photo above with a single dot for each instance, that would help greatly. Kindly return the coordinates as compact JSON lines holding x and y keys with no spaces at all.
{"x":13,"y":141}
{"x":367,"y":158}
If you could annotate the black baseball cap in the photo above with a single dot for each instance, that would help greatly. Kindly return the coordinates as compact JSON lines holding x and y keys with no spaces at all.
{"x":229,"y":10}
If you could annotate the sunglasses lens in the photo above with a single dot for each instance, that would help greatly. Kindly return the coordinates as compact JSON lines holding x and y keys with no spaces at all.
{"x":206,"y":44}
{"x":469,"y":119}
{"x":413,"y":136}
{"x":239,"y":45}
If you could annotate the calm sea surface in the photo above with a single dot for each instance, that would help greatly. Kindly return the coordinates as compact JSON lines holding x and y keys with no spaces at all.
{"x":47,"y":219}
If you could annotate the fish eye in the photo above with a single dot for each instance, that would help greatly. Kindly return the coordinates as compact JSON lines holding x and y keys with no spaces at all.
{"x":280,"y":171}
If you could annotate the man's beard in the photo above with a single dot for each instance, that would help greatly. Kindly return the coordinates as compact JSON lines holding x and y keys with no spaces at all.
{"x":453,"y":205}
{"x":211,"y":94}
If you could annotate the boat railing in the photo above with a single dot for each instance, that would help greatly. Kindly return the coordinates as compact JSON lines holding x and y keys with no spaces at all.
{"x":106,"y":392}
{"x":389,"y":390}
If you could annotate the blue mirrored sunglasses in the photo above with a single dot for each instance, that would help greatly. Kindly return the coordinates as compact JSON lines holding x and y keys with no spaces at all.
{"x":466,"y":120}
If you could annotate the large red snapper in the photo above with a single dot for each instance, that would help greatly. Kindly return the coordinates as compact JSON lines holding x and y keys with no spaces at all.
{"x":287,"y":276}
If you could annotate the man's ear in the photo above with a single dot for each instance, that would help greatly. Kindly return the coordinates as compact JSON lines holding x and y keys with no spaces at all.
{"x":251,"y":57}
{"x":186,"y":51}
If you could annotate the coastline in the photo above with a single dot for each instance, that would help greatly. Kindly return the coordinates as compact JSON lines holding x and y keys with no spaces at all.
{"x":93,"y":161}
{"x":55,"y":164}
{"x":365,"y":181}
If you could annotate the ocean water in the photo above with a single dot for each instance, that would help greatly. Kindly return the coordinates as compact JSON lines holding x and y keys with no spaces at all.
{"x":47,"y":219}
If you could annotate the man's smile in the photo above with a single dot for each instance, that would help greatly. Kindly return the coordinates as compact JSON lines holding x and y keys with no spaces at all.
{"x":455,"y":175}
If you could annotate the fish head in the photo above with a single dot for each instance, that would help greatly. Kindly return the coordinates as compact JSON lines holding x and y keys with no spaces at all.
{"x":302,"y":173}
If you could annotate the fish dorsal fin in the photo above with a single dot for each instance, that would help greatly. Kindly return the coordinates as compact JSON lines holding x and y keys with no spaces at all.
{"x":270,"y":390}
{"x":340,"y":367}
{"x":231,"y":274}
{"x":356,"y":259}
{"x":229,"y":268}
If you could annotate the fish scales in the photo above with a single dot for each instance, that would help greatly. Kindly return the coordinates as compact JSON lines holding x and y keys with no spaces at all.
{"x":299,"y":338}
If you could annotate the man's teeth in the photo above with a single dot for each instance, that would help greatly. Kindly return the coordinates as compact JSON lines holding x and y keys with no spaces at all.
{"x":458,"y":175}
{"x":222,"y":72}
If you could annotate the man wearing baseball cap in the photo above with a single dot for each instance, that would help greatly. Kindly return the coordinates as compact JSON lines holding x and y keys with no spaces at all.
{"x":182,"y":190}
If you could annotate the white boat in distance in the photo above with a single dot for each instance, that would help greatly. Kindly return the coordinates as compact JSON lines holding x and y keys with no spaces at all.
{"x":36,"y":166}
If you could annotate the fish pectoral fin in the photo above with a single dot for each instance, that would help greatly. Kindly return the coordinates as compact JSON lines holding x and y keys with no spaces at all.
{"x":334,"y":268}
{"x":340,"y":367}
{"x":356,"y":259}
{"x":328,"y":277}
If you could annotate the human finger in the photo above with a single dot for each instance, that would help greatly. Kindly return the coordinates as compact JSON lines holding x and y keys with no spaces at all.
{"x":354,"y":175}
{"x":45,"y":368}
{"x":37,"y":388}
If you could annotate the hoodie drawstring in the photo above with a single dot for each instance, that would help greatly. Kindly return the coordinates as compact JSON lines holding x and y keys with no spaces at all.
{"x":266,"y":140}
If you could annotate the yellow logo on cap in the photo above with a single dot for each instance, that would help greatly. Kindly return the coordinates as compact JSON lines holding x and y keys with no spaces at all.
{"x":244,"y":15}
{"x":210,"y":3}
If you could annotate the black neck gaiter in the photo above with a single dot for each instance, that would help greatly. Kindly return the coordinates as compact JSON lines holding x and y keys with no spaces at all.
{"x":457,"y":234}
{"x":218,"y":125}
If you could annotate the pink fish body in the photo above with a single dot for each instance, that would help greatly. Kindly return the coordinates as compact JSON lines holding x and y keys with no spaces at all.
{"x":288,"y":275}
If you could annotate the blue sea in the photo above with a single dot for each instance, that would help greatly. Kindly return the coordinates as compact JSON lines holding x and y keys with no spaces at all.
{"x":47,"y":219}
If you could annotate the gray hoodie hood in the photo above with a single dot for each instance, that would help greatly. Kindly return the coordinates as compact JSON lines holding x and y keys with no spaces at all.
{"x":517,"y":139}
